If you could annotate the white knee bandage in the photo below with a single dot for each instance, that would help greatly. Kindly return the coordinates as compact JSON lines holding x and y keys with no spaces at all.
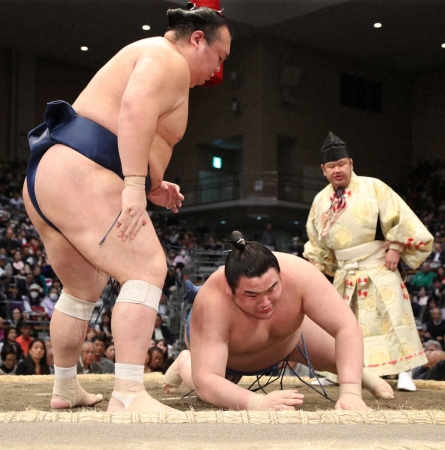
{"x":74,"y":307}
{"x":142,"y":292}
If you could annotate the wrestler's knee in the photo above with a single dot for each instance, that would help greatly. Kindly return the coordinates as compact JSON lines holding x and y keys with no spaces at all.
{"x":140,"y":292}
{"x":74,"y":307}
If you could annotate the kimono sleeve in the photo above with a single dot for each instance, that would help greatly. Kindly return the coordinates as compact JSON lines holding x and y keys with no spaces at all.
{"x":402,"y":228}
{"x":314,"y":251}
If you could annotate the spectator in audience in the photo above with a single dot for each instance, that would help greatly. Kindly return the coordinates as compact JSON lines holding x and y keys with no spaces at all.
{"x":5,"y":266}
{"x":91,"y":332}
{"x":183,"y":258}
{"x":110,"y":352}
{"x":438,"y":289}
{"x":16,"y":202}
{"x":9,"y":241}
{"x":86,"y":363}
{"x":10,"y":340}
{"x":434,"y":354}
{"x":35,"y":362}
{"x":40,"y":279}
{"x":24,"y":283}
{"x":17,"y":319}
{"x":22,"y":237}
{"x":435,"y":328}
{"x":211,"y":245}
{"x":14,"y":295}
{"x":168,"y":353}
{"x":9,"y":360}
{"x":25,"y":338}
{"x":441,"y":275}
{"x":425,"y":314}
{"x":171,"y":255}
{"x":103,"y":327}
{"x":432,"y":345}
{"x":437,"y":257}
{"x":100,"y":344}
{"x":423,"y":277}
{"x":27,"y":256}
{"x":45,"y":267}
{"x":268,"y":238}
{"x":156,"y":363}
{"x":437,"y":371}
{"x":296,"y":247}
{"x":49,"y":302}
{"x":19,"y":268}
{"x":35,"y":295}
{"x":162,"y":332}
{"x":164,"y":310}
{"x":147,"y":368}
{"x":421,"y":298}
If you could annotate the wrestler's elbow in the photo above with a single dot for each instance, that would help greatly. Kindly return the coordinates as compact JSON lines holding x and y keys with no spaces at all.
{"x":204,"y":389}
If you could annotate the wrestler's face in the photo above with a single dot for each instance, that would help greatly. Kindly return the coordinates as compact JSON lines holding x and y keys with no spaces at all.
{"x":259,"y":296}
{"x":338,"y":172}
{"x":207,"y":58}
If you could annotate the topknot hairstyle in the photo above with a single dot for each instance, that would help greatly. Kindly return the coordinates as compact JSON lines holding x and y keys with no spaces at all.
{"x":185,"y":22}
{"x":249,"y":259}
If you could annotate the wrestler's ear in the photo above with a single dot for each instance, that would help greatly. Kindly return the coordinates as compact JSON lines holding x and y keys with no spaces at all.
{"x":197,"y":38}
{"x":352,"y":163}
{"x":228,"y":290}
{"x":322,"y":169}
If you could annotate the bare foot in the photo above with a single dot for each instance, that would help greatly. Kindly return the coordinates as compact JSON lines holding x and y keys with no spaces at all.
{"x":141,"y":402}
{"x":382,"y":390}
{"x":86,"y":400}
{"x":172,"y":379}
{"x":378,"y":387}
{"x":67,"y":393}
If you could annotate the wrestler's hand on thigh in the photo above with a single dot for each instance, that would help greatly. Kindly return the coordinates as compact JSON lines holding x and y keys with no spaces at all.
{"x":134,"y":213}
{"x":167,"y":195}
{"x":352,"y":403}
{"x":282,"y":400}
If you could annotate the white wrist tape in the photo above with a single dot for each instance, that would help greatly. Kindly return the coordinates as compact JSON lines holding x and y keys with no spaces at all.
{"x":142,"y":292}
{"x":255,"y":402}
{"x":350,"y":389}
{"x":74,"y":307}
{"x":135,"y":182}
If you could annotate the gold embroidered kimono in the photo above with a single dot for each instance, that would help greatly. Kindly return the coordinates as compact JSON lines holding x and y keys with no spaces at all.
{"x":351,"y":253}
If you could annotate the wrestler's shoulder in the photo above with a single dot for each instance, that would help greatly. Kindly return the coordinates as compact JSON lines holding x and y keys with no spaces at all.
{"x":295,"y":267}
{"x":152,"y":46}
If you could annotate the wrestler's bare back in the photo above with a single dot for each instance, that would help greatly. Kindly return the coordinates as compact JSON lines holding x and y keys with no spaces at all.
{"x":108,"y":86}
{"x":253,"y":344}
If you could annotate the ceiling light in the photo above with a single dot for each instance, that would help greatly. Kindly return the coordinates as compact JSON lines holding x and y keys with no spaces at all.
{"x":443,"y":45}
{"x":146,"y":27}
{"x":84,"y":48}
{"x":377,"y":25}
